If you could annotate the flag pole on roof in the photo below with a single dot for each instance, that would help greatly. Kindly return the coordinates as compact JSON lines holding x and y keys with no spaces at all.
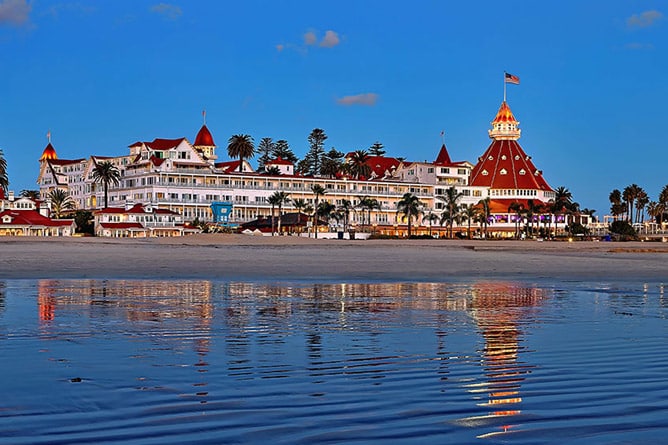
{"x":509,"y":78}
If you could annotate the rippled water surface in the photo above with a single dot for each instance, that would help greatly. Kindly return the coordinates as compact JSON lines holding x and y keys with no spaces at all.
{"x":216,"y":362}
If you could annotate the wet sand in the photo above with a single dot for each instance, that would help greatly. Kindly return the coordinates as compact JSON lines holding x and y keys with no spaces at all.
{"x":243,"y":257}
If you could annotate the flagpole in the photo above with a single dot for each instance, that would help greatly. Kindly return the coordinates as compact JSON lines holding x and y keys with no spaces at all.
{"x":504,"y":86}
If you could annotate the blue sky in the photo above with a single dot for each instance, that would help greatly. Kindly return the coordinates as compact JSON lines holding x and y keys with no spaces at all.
{"x":102,"y":75}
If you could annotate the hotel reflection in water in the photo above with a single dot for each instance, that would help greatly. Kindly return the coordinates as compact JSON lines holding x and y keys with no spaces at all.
{"x":498,"y":310}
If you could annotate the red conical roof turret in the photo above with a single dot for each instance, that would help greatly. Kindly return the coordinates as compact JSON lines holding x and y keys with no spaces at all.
{"x":49,"y":153}
{"x":204,"y":138}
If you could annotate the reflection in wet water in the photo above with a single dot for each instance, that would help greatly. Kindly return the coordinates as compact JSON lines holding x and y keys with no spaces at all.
{"x":188,"y":361}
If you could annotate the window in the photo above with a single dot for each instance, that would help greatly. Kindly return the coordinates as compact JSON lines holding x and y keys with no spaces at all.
{"x":445,"y":170}
{"x":461,"y":171}
{"x":430,"y":170}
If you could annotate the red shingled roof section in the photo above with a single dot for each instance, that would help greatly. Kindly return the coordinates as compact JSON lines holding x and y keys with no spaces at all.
{"x":380,"y":164}
{"x":65,"y":161}
{"x":507,"y":155}
{"x":443,"y":157}
{"x":32,"y":218}
{"x":204,"y":137}
{"x":229,"y":166}
{"x":163,"y":144}
{"x":501,"y":205}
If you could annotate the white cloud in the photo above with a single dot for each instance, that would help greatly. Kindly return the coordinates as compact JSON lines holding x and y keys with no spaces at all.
{"x":14,"y":12}
{"x":644,"y":19}
{"x":330,"y":40}
{"x":171,"y":12}
{"x":368,"y":99}
{"x":310,"y":38}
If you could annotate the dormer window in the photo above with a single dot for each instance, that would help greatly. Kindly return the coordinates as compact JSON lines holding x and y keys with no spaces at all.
{"x":517,"y":157}
{"x":522,"y":172}
{"x":485,"y":173}
{"x":503,"y":157}
{"x":503,"y":171}
{"x":491,"y":158}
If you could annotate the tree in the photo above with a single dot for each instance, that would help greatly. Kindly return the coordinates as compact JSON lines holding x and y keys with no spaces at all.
{"x":316,"y":151}
{"x":368,"y":204}
{"x":430,"y":217}
{"x":325,"y":210}
{"x":616,"y":206}
{"x":84,"y":222}
{"x":485,"y":213}
{"x":451,"y":199}
{"x":272,"y":171}
{"x":410,"y":207}
{"x":300,"y":206}
{"x":61,"y":203}
{"x":517,"y":208}
{"x":331,"y":162}
{"x":471,"y":213}
{"x":377,"y":149}
{"x":106,"y":173}
{"x":358,"y":166}
{"x":241,"y":146}
{"x":641,"y":201}
{"x":30,"y":194}
{"x":282,"y":150}
{"x":345,"y":208}
{"x":630,"y":194}
{"x":4,"y":179}
{"x":318,"y":191}
{"x":280,"y":198}
{"x":273,"y":200}
{"x":265,"y":148}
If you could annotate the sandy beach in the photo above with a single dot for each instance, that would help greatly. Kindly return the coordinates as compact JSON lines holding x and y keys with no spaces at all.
{"x":242,"y":257}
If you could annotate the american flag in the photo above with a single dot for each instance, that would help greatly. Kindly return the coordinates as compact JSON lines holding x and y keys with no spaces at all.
{"x":509,"y":78}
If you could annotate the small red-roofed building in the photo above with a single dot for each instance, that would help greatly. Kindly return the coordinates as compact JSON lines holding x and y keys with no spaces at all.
{"x":284,"y":166}
{"x":26,"y":217}
{"x":140,"y":221}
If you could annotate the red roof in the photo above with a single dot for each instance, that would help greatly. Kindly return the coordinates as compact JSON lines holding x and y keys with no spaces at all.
{"x":443,"y":157}
{"x":204,"y":138}
{"x":65,"y":161}
{"x":32,"y":218}
{"x":381,"y":164}
{"x":161,"y":144}
{"x":278,"y":161}
{"x":504,"y":115}
{"x":49,"y":153}
{"x":505,"y":166}
{"x":229,"y":166}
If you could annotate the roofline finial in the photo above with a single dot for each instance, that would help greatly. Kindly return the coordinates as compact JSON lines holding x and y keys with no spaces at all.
{"x":443,"y":136}
{"x":48,"y":136}
{"x":204,"y":116}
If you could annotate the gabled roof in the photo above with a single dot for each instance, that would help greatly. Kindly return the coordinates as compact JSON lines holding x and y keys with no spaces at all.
{"x":229,"y":166}
{"x":164,"y":144}
{"x":65,"y":161}
{"x":122,"y":225}
{"x":381,"y":164}
{"x":504,"y":165}
{"x":32,"y":218}
{"x":204,"y":138}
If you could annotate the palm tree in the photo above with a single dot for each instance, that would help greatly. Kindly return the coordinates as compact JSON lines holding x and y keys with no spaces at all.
{"x":616,"y":206}
{"x":630,"y":194}
{"x":485,"y":213}
{"x":368,"y":204}
{"x":318,"y":191}
{"x":30,"y":194}
{"x":470,"y":213}
{"x":106,"y":173}
{"x":4,"y":180}
{"x":273,"y":200}
{"x":358,"y":164}
{"x":300,"y":205}
{"x":282,"y":198}
{"x":345,"y":208}
{"x":517,"y":208}
{"x":431,"y":217}
{"x":325,"y":210}
{"x":410,"y":206}
{"x":451,"y":200}
{"x":241,"y":146}
{"x":61,"y":203}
